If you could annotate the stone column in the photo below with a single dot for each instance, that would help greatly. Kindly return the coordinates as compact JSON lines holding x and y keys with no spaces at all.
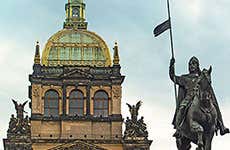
{"x":88,"y":99}
{"x":64,"y":99}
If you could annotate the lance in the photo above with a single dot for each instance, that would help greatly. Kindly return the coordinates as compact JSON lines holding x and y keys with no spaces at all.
{"x":172,"y":49}
{"x":162,"y":28}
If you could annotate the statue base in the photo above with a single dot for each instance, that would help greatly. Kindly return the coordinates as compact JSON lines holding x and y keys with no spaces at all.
{"x":17,"y":144}
{"x":131,"y":144}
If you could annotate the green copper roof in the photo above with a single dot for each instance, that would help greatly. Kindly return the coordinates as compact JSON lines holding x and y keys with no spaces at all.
{"x":76,"y":47}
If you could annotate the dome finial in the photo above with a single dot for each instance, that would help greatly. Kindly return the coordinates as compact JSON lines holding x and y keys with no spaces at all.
{"x":37,"y":54}
{"x":75,"y":15}
{"x":116,"y":58}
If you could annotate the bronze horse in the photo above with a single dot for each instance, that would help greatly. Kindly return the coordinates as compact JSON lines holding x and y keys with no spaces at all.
{"x":200,"y":121}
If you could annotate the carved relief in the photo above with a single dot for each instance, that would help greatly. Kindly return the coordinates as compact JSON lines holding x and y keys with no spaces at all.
{"x":116,"y":99}
{"x":36,"y":96}
{"x":116,"y":92}
{"x":77,"y":145}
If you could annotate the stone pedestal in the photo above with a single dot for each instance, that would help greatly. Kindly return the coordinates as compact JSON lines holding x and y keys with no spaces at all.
{"x":137,"y":144}
{"x":17,"y":143}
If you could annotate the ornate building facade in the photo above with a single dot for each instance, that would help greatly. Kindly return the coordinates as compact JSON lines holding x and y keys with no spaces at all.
{"x":75,"y":92}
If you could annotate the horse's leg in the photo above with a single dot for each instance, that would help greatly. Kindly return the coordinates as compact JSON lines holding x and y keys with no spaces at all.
{"x":197,"y":128}
{"x":208,"y":141}
{"x":183,"y":143}
{"x":178,"y":143}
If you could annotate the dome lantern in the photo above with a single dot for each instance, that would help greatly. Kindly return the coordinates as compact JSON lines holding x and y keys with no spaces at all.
{"x":75,"y":45}
{"x":75,"y":15}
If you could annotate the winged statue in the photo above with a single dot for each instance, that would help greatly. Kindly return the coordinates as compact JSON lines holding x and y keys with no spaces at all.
{"x":133,"y":109}
{"x":19,"y":109}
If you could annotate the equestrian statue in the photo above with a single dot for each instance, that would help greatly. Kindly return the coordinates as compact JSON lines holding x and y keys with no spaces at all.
{"x":197,"y":117}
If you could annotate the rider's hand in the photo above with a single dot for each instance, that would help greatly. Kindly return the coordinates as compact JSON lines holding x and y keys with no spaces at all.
{"x":172,"y":61}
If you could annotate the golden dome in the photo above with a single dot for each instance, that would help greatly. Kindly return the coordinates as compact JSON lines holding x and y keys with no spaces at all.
{"x":76,"y":47}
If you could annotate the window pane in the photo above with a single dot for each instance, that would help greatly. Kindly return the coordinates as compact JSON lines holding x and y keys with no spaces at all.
{"x":76,"y":103}
{"x":76,"y":54}
{"x":101,"y":95}
{"x":54,"y":112}
{"x":96,"y":104}
{"x":51,"y":94}
{"x":51,"y":103}
{"x":72,"y":111}
{"x":99,"y":54}
{"x":88,"y":53}
{"x":72,"y":103}
{"x":46,"y":112}
{"x":80,"y":111}
{"x":96,"y":113}
{"x":64,"y":53}
{"x":53,"y":55}
{"x":105,"y":113}
{"x":101,"y":104}
{"x":105,"y":104}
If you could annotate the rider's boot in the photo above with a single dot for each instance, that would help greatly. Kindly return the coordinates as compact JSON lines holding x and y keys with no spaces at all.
{"x":223,"y":129}
{"x":177,"y":134}
{"x":179,"y":118}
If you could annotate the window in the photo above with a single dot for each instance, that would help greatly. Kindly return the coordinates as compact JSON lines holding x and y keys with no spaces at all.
{"x":53,"y":55}
{"x":76,"y":53}
{"x":101,"y":104}
{"x":64,"y":53}
{"x":51,"y":103}
{"x":76,"y":103}
{"x":99,"y":54}
{"x":88,"y":53}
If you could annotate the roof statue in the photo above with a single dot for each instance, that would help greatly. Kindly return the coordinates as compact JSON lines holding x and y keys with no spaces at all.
{"x":19,"y":109}
{"x":135,"y":129}
{"x":19,"y":129}
{"x":133,"y":109}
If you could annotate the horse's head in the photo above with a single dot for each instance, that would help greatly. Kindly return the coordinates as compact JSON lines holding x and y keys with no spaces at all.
{"x":206,"y":98}
{"x":205,"y":79}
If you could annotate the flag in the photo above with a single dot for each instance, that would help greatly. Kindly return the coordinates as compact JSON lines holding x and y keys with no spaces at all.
{"x":162,"y":28}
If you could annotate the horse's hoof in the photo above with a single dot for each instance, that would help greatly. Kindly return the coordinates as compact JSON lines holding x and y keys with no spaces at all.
{"x":224,"y":131}
{"x":199,"y":148}
{"x":200,"y":144}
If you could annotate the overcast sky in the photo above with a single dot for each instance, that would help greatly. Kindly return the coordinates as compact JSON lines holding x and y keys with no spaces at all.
{"x":200,"y":28}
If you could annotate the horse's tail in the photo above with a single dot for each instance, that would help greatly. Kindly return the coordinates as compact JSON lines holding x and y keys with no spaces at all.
{"x":216,"y":131}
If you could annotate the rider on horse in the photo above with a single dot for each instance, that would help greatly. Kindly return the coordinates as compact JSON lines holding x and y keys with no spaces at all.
{"x":186,"y":94}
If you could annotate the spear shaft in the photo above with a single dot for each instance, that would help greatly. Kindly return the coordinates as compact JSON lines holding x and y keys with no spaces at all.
{"x":172,"y":50}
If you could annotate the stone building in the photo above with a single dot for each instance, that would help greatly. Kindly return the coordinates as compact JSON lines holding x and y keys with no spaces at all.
{"x":75,"y":92}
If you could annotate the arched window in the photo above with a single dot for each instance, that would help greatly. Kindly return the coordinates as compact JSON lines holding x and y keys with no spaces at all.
{"x":101,"y":104}
{"x":76,"y":103}
{"x":51,"y":103}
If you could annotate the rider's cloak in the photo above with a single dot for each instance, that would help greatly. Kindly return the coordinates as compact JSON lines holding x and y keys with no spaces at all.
{"x":181,"y":95}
